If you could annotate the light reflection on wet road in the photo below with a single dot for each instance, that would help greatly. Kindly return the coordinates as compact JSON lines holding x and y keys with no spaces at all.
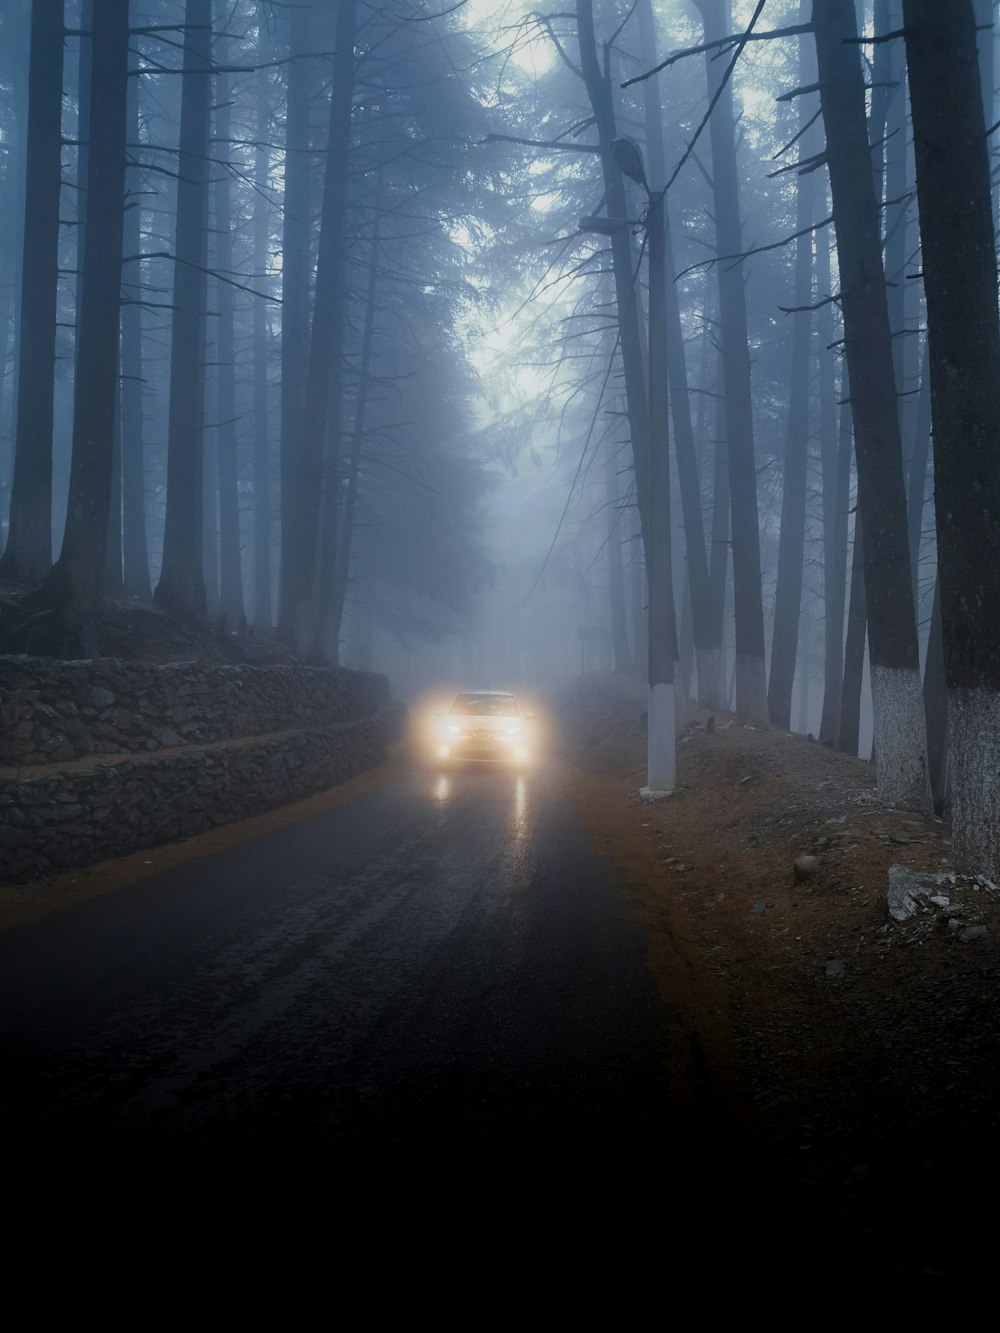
{"x":439,"y":970}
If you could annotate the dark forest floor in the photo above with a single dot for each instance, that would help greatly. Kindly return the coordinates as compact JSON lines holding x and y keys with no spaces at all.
{"x":862,"y":1054}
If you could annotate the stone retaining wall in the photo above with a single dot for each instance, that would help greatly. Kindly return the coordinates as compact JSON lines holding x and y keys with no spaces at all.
{"x":52,"y":711}
{"x":54,"y":821}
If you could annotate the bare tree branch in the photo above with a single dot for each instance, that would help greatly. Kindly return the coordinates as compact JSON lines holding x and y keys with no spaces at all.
{"x":727,"y":43}
{"x":541,"y":143}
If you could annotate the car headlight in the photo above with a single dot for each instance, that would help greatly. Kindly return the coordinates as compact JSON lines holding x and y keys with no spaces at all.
{"x":516,"y":730}
{"x":450,"y":729}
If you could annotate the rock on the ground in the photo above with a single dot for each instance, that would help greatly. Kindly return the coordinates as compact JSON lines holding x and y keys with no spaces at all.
{"x":909,"y":891}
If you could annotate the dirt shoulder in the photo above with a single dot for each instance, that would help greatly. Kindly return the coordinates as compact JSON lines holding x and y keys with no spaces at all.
{"x":858,"y":1052}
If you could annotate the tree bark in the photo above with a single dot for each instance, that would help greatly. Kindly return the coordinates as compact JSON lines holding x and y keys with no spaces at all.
{"x":598,"y":83}
{"x":182,"y":583}
{"x":705,"y":639}
{"x":28,"y":553}
{"x":346,"y":552}
{"x":791,"y":541}
{"x":900,"y":733}
{"x":960,"y":282}
{"x":836,"y":463}
{"x":854,"y":649}
{"x":616,"y":575}
{"x":936,"y":703}
{"x":230,"y":557}
{"x":317,"y":479}
{"x":73,"y":586}
{"x":262,"y":614}
{"x":295,"y":269}
{"x":751,"y":680}
{"x":135,"y":552}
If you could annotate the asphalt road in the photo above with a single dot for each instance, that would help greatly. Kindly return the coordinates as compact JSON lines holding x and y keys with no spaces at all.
{"x":435,"y":979}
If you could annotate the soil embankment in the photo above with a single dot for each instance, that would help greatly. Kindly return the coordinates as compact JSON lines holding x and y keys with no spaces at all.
{"x":859,"y":1053}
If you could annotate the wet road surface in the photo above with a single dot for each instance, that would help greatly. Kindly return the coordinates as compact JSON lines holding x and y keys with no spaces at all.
{"x":435,"y":978}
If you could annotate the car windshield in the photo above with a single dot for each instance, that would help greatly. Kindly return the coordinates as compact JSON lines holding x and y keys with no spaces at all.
{"x":485,"y":705}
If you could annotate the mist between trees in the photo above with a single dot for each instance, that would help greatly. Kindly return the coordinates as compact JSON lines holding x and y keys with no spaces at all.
{"x":335,"y":320}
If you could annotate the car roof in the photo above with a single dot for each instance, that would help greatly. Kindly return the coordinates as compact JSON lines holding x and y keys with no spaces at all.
{"x":500,"y":694}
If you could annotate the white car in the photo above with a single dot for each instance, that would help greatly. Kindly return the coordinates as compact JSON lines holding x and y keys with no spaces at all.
{"x":484,"y":726}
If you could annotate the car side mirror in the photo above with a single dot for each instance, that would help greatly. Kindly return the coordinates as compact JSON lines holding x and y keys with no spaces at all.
{"x":439,"y":712}
{"x":530,"y":717}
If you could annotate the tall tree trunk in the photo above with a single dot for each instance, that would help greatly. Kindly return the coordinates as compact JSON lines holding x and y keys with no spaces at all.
{"x":295,"y":268}
{"x":616,"y":574}
{"x":751,"y":681}
{"x":836,"y":462}
{"x":262,"y":614}
{"x":230,"y":558}
{"x":917,"y":488}
{"x":325,"y":344}
{"x":791,"y":541}
{"x":719,"y":563}
{"x":597,"y":78}
{"x":986,"y":38}
{"x":346,"y":552}
{"x":114,"y":584}
{"x":705,"y":640}
{"x":900,"y":734}
{"x":135,"y":551}
{"x":73,"y":586}
{"x":936,"y":702}
{"x":854,"y":648}
{"x":182,"y":584}
{"x":28,"y":553}
{"x":960,"y":281}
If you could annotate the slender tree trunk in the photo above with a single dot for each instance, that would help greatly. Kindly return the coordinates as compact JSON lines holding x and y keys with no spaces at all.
{"x":936,"y":703}
{"x":114,"y":584}
{"x":230,"y":558}
{"x":182,"y":584}
{"x":791,"y":542}
{"x":346,"y":553}
{"x":705,"y":642}
{"x":73,"y":586}
{"x":719,"y":566}
{"x":662,"y":717}
{"x":295,"y":268}
{"x":836,"y":456}
{"x":917,"y":488}
{"x":616,"y":574}
{"x":262,"y":614}
{"x":751,"y":680}
{"x":854,"y":649}
{"x":599,"y":90}
{"x":325,"y":343}
{"x":986,"y":35}
{"x":135,"y":550}
{"x":637,"y":585}
{"x":900,"y":734}
{"x":28,"y":553}
{"x":960,"y":281}
{"x":326,"y":635}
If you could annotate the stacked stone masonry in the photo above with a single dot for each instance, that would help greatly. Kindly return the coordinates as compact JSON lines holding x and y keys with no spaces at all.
{"x":53,"y":711}
{"x":193,"y":747}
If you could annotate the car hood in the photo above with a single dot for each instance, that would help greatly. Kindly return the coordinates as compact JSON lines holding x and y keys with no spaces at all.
{"x":489,"y":722}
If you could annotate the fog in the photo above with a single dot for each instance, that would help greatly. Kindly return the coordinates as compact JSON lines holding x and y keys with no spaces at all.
{"x":398,"y":361}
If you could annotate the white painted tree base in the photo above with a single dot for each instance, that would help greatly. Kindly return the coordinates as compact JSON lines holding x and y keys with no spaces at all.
{"x":661,"y":740}
{"x":751,"y":690}
{"x":900,"y":739}
{"x":974,"y":722}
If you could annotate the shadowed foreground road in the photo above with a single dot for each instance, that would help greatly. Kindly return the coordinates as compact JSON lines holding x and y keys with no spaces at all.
{"x":435,"y":978}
